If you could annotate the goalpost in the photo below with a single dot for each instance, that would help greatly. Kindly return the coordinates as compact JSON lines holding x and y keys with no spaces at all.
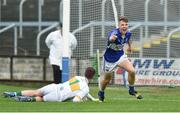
{"x":66,"y":27}
{"x":115,"y":13}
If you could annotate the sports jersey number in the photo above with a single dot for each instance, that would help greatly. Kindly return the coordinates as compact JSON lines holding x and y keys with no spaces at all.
{"x":74,"y":84}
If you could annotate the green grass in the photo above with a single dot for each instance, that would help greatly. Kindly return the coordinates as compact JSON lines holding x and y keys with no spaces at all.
{"x":156,"y":99}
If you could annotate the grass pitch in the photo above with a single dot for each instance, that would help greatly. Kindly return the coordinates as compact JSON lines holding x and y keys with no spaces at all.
{"x":156,"y":99}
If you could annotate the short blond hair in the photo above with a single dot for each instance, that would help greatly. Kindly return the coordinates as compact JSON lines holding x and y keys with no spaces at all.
{"x":123,"y":18}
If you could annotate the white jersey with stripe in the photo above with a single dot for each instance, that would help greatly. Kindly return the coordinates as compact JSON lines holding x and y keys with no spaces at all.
{"x":76,"y":87}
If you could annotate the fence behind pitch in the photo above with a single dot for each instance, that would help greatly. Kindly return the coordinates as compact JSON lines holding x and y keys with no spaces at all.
{"x":91,"y":20}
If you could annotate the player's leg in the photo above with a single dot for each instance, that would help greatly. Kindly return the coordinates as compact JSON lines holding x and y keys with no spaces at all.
{"x":23,"y":93}
{"x":40,"y":92}
{"x":11,"y":94}
{"x":57,"y":74}
{"x":127,"y":65}
{"x":52,"y":96}
{"x":37,"y":95}
{"x":47,"y":89}
{"x":105,"y":78}
{"x":104,"y":81}
{"x":50,"y":92}
{"x":28,"y":98}
{"x":31,"y":93}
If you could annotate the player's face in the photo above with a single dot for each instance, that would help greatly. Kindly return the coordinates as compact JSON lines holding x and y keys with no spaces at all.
{"x":123,"y":26}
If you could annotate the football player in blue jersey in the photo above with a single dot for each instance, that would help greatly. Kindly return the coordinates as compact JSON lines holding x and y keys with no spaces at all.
{"x":115,"y":56}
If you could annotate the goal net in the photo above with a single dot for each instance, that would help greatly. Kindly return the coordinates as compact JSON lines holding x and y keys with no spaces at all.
{"x":149,"y":21}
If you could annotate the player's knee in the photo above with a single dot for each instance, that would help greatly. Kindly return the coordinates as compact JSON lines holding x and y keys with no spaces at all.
{"x":38,"y":93}
{"x":107,"y":76}
{"x":39,"y":99}
{"x":106,"y":81}
{"x":132,"y":72}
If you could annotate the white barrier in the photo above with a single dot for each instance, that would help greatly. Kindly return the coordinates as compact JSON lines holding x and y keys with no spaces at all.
{"x":25,"y":68}
{"x":152,"y":71}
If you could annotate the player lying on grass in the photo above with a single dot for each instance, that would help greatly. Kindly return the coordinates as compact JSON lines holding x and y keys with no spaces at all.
{"x":76,"y":89}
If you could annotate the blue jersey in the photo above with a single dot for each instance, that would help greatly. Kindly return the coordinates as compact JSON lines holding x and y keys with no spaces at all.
{"x":114,"y":49}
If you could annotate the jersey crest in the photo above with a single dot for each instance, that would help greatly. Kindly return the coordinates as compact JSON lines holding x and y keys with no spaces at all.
{"x":74,"y":84}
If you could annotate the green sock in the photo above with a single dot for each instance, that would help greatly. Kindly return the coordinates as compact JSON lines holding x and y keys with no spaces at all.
{"x":33,"y":99}
{"x":18,"y":93}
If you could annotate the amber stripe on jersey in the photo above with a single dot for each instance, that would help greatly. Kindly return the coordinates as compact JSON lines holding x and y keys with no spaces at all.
{"x":74,"y":84}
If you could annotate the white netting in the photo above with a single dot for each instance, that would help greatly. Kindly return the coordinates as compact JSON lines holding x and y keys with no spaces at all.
{"x":151,"y":22}
{"x":96,"y":18}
